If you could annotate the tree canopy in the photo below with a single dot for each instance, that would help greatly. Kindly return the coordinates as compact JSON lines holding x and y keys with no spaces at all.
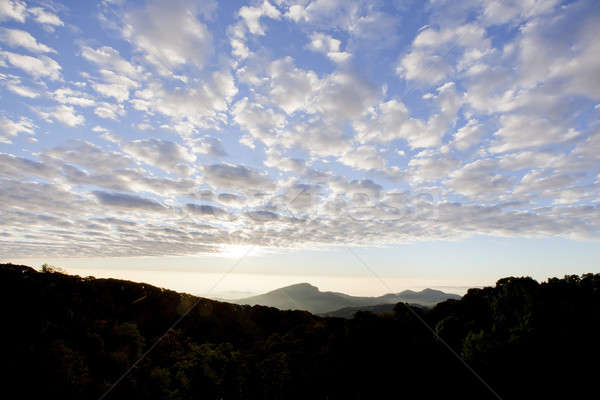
{"x":71,"y":337}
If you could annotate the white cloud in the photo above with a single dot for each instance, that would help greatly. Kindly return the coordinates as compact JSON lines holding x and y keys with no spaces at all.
{"x":109,"y":110}
{"x":15,"y":86}
{"x":531,"y":159}
{"x":363,"y":157}
{"x":539,"y":72}
{"x":471,"y":35}
{"x":325,"y":44}
{"x":73,"y":97}
{"x":144,"y":126}
{"x":169,"y":156}
{"x":479,"y":179}
{"x":239,"y":48}
{"x":590,"y":148}
{"x":571,"y":61}
{"x":386,"y":123}
{"x":423,"y":67}
{"x":88,"y":155}
{"x":538,"y":183}
{"x":108,"y":58}
{"x":252,"y":16}
{"x":286,"y":164}
{"x":313,"y":10}
{"x":365,"y":21}
{"x":468,"y":135}
{"x":194,"y":106}
{"x":18,"y":11}
{"x":322,"y":137}
{"x":19,"y":38}
{"x":523,"y":131}
{"x":291,"y":88}
{"x":38,"y":67}
{"x":357,"y":187}
{"x":45,"y":17}
{"x":114,"y":85}
{"x":67,"y":115}
{"x":19,"y":167}
{"x":170,"y":35}
{"x":237,"y":177}
{"x":22,"y":90}
{"x":208,"y":146}
{"x":429,"y":60}
{"x":110,"y":137}
{"x":390,"y":120}
{"x":13,"y":9}
{"x":262,"y":123}
{"x":10,"y":129}
{"x":431,"y":167}
{"x":504,"y":11}
{"x":342,"y":95}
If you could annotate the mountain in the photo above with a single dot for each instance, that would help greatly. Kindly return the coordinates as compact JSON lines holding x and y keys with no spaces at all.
{"x":304,"y":296}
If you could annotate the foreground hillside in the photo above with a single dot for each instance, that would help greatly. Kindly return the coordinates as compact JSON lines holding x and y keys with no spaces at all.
{"x":304,"y":296}
{"x":68,"y":337}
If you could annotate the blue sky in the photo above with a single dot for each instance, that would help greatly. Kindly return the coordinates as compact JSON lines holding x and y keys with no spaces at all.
{"x":449,"y":142}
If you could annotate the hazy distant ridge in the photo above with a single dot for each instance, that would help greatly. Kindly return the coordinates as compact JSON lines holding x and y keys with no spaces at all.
{"x":304,"y":296}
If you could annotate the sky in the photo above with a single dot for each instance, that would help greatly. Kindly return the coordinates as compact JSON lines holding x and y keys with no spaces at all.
{"x":363,"y":146}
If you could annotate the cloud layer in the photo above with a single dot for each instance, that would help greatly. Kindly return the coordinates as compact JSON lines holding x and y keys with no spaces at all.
{"x":185,"y":126}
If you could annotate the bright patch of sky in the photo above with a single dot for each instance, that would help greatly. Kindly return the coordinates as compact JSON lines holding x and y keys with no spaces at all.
{"x":179,"y":128}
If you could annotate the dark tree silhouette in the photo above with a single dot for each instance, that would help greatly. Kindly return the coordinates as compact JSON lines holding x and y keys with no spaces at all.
{"x":70,"y":337}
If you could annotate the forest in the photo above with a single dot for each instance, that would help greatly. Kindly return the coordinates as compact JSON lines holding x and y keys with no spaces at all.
{"x":71,"y":337}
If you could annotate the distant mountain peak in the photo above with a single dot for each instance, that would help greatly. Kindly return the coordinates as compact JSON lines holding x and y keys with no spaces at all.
{"x":298,"y":287}
{"x":301,"y":285}
{"x":407,"y":292}
{"x":304,"y":296}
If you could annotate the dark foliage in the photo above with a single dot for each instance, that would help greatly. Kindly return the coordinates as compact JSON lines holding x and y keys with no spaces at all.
{"x":68,"y":337}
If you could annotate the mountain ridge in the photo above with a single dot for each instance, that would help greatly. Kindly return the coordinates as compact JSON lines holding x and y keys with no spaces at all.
{"x":307,"y":297}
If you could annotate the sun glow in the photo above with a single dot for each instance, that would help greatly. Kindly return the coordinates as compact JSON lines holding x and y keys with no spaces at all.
{"x":238,"y":251}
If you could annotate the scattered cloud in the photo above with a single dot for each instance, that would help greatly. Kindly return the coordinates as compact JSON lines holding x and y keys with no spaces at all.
{"x":227,"y":176}
{"x":127,"y":201}
{"x":169,"y":156}
{"x":38,"y":67}
{"x":323,"y":43}
{"x":10,"y":129}
{"x":45,"y":17}
{"x":19,"y":38}
{"x":252,"y":16}
{"x":67,"y":115}
{"x":523,"y":131}
{"x":293,"y":124}
{"x":108,"y":58}
{"x":13,"y":9}
{"x":170,"y":35}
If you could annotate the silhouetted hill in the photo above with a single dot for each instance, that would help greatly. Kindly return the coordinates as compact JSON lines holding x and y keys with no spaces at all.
{"x":348,"y":312}
{"x":68,"y":337}
{"x":304,"y":296}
